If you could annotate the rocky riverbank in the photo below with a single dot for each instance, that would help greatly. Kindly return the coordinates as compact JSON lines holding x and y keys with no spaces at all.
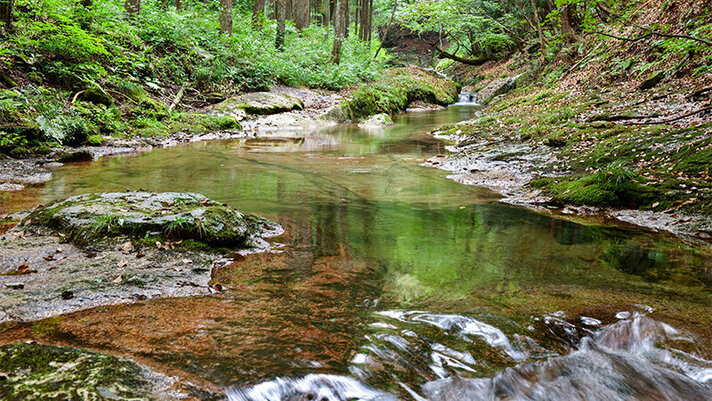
{"x":104,"y":249}
{"x":636,"y":156}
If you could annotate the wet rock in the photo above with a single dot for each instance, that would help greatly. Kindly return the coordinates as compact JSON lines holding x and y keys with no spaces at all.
{"x":82,"y":155}
{"x":260,"y":103}
{"x":174,"y":216}
{"x":376,"y":121}
{"x":34,"y":372}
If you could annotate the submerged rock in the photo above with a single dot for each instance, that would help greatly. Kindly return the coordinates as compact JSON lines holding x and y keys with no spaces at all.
{"x":260,"y":103}
{"x":169,"y":215}
{"x":34,"y":372}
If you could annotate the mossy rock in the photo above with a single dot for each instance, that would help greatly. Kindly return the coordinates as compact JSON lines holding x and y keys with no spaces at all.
{"x":47,"y":372}
{"x":169,"y":215}
{"x":652,"y":81}
{"x":96,"y":96}
{"x":82,"y":155}
{"x":262,"y":103}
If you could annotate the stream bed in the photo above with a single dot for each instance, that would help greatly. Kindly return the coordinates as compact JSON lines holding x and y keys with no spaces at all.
{"x":393,"y":282}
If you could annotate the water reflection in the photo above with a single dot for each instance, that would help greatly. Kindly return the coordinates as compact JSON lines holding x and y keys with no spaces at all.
{"x":369,"y":230}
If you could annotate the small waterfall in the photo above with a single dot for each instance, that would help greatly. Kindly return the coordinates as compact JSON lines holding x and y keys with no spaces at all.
{"x":467,"y":98}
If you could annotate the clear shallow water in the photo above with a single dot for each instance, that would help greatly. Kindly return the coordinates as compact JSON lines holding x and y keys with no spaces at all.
{"x":395,"y":282}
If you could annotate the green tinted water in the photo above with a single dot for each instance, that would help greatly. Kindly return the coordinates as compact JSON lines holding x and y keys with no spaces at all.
{"x":369,"y":230}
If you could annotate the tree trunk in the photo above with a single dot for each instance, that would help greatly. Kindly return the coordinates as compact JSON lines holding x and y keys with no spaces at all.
{"x":340,"y":18}
{"x":132,"y":7}
{"x":6,"y":14}
{"x":226,"y":17}
{"x":280,"y":11}
{"x":258,"y":12}
{"x":567,"y":29}
{"x":302,"y":12}
{"x":179,"y":5}
{"x":539,"y":31}
{"x":289,"y":7}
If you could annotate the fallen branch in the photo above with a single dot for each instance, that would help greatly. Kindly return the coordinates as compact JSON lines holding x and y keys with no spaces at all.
{"x":468,"y":61}
{"x":7,"y":80}
{"x":178,"y":98}
{"x":671,"y":120}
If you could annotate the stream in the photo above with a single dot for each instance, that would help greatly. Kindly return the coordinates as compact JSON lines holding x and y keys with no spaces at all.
{"x":394,"y":282}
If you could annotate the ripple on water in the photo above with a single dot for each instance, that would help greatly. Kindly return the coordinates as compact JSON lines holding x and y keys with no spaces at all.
{"x":631,"y":359}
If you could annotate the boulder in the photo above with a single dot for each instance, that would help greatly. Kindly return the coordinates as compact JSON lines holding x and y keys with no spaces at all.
{"x":96,"y":96}
{"x":262,"y":103}
{"x":170,"y":215}
{"x":495,"y":88}
{"x":377,"y":121}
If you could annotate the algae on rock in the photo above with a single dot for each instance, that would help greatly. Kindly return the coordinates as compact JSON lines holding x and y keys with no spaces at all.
{"x":169,"y":215}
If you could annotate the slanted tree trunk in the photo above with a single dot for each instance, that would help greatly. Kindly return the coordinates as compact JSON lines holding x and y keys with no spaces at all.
{"x":226,"y":17}
{"x":258,"y":12}
{"x":132,"y":7}
{"x":341,"y":17}
{"x":280,"y":12}
{"x":301,"y":12}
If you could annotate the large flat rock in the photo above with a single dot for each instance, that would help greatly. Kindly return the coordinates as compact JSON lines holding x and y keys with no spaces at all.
{"x":262,"y":103}
{"x":46,"y":372}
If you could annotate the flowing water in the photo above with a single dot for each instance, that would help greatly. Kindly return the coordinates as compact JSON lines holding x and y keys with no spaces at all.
{"x":393,"y":282}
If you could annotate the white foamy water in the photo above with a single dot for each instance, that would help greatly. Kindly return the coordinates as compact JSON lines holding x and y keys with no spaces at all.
{"x":625,"y":361}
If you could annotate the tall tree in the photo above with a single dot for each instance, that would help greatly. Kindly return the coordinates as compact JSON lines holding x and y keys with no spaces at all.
{"x":301,"y":13}
{"x":132,"y":7}
{"x":341,"y":12}
{"x":258,"y":11}
{"x":280,"y":10}
{"x":226,"y":17}
{"x":6,"y":14}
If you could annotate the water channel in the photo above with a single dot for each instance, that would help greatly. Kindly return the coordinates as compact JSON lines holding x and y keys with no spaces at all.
{"x":394,"y":282}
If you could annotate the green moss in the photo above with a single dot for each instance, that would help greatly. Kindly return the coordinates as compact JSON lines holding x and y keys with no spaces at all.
{"x":95,"y":140}
{"x":612,"y":188}
{"x":50,"y":372}
{"x":398,"y":89}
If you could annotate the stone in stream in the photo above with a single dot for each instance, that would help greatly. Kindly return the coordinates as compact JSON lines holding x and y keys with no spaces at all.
{"x":169,"y":216}
{"x":103,"y":249}
{"x":495,"y":88}
{"x":39,"y":372}
{"x":260,"y":103}
{"x":376,"y":121}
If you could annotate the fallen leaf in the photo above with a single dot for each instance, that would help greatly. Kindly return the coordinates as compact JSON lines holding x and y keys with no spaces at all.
{"x":49,"y":257}
{"x":127,"y":247}
{"x":656,"y":204}
{"x":118,"y":279}
{"x":122,"y":264}
{"x":60,"y":250}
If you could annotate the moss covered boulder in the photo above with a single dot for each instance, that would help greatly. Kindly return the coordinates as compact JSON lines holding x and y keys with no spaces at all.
{"x":394,"y":92}
{"x":45,"y":372}
{"x":169,"y":215}
{"x":262,"y":103}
